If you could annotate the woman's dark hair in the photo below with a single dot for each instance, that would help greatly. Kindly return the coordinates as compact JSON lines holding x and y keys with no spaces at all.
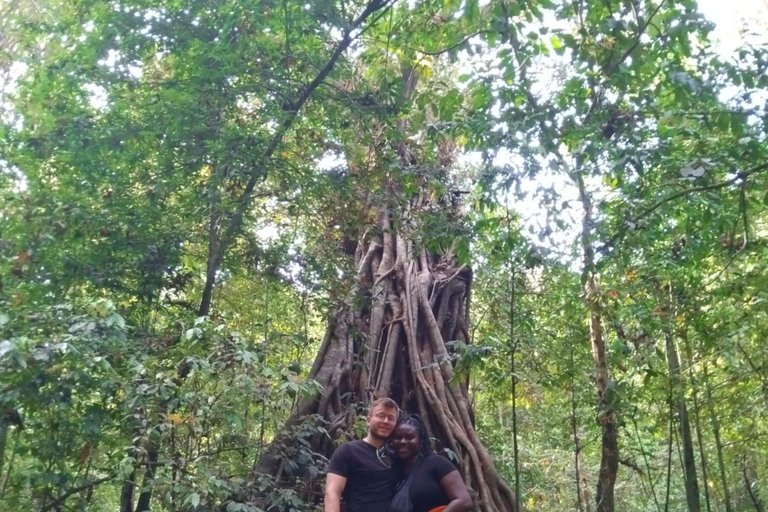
{"x":415,"y":421}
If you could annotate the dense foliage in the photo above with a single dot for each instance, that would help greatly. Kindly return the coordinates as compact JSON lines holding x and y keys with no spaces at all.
{"x":185,"y":186}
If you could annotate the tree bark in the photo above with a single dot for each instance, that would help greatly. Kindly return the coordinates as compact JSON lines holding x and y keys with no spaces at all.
{"x":126,"y":494}
{"x":3,"y":438}
{"x":609,"y":461}
{"x":647,"y":464}
{"x":214,"y":258}
{"x":394,"y":344}
{"x":129,"y":485}
{"x":678,"y":404}
{"x":669,"y":449}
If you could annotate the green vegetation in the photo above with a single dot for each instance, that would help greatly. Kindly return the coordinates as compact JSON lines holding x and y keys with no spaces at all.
{"x":226,"y":226}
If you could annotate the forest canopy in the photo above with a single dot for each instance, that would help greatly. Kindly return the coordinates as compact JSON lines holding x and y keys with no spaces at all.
{"x":227,"y":227}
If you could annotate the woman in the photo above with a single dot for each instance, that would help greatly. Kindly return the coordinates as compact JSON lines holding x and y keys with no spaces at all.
{"x":430,"y":482}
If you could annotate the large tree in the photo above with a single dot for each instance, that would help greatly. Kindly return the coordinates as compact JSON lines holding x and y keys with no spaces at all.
{"x":184,"y":122}
{"x":399,"y":327}
{"x":198,"y":196}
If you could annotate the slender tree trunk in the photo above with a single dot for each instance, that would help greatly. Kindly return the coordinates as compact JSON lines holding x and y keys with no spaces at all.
{"x":514,"y":425}
{"x":681,"y":408}
{"x":85,"y":494}
{"x":678,"y":404}
{"x":697,"y":422}
{"x":758,"y":504}
{"x":126,"y":494}
{"x":647,"y":464}
{"x":214,"y":257}
{"x":149,"y":479}
{"x":129,"y":485}
{"x":582,"y":493}
{"x":513,"y":346}
{"x":3,"y":439}
{"x":7,"y":479}
{"x":609,"y":460}
{"x":718,"y":442}
{"x":669,"y":448}
{"x":8,"y":418}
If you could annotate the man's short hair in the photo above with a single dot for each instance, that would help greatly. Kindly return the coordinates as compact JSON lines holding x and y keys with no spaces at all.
{"x":387,"y":403}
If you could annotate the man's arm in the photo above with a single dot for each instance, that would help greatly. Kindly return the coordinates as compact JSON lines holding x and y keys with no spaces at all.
{"x":334,"y":486}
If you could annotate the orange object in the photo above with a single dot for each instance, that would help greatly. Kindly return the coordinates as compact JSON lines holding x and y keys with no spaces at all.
{"x":438,"y":509}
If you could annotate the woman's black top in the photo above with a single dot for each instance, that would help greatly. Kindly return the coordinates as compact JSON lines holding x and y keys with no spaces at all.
{"x":426,"y":492}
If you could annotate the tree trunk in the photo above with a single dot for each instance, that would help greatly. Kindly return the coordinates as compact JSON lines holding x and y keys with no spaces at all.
{"x":718,"y":442}
{"x":513,"y":369}
{"x":606,"y":418}
{"x":647,"y":464}
{"x":126,"y":494}
{"x":149,"y":479}
{"x":129,"y":485}
{"x":3,"y":438}
{"x":697,"y":421}
{"x":394,"y":344}
{"x":609,"y":461}
{"x":669,"y":449}
{"x":389,"y":337}
{"x":582,"y":494}
{"x":751,"y":489}
{"x":214,"y":256}
{"x":679,"y":406}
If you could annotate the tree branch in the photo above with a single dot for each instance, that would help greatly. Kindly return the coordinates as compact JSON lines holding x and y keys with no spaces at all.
{"x":259,"y":172}
{"x":753,"y":496}
{"x":631,"y":464}
{"x":61,"y":499}
{"x":639,"y":34}
{"x":453,"y":46}
{"x":671,"y":197}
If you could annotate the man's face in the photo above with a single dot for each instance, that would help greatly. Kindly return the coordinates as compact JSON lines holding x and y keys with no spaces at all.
{"x":381,"y":420}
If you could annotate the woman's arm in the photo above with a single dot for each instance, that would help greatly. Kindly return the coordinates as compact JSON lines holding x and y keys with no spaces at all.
{"x":457,"y":493}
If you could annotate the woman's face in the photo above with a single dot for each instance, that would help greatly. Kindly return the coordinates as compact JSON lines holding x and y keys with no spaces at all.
{"x":406,"y":441}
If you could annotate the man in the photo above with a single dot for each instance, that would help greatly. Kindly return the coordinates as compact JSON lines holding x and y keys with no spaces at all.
{"x":358,"y":472}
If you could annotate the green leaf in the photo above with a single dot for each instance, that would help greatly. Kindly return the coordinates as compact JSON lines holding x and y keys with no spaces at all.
{"x":193,"y":499}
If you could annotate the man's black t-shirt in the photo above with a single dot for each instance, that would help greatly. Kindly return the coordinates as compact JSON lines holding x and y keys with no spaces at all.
{"x":370,"y":483}
{"x":425,"y":490}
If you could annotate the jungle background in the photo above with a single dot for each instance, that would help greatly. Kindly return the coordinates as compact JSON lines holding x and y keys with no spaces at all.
{"x":226,"y":226}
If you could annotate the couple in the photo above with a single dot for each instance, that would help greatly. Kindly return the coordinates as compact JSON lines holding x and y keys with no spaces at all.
{"x":418,"y":480}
